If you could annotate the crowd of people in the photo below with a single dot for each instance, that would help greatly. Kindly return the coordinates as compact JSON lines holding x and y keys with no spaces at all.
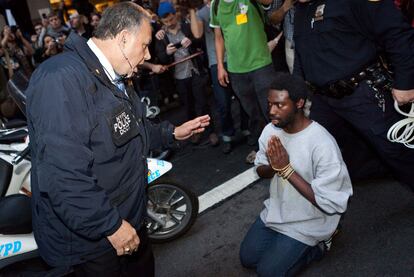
{"x":235,"y":49}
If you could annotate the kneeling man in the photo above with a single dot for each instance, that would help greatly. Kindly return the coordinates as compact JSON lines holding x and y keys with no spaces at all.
{"x":309,"y":188}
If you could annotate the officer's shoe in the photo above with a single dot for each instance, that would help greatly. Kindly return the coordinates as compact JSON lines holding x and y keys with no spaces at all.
{"x":214,"y":140}
{"x":226,"y":147}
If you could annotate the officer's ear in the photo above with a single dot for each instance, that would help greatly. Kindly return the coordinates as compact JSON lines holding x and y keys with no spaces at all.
{"x":300,"y":104}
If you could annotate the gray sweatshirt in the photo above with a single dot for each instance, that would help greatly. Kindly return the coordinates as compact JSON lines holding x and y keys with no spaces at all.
{"x":315,"y":156}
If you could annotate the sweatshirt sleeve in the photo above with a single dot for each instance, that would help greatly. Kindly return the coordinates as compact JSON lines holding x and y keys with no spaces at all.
{"x":261,"y":157}
{"x":332,"y":184}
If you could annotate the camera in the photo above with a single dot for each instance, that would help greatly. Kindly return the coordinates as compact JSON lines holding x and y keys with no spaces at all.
{"x":178,"y":45}
{"x":14,"y":28}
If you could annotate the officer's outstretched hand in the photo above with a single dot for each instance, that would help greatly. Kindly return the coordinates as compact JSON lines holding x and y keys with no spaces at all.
{"x":125,"y":240}
{"x":191,"y":127}
{"x":403,"y":96}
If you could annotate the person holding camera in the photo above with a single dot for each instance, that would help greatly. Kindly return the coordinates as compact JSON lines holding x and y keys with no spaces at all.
{"x":176,"y":44}
{"x":51,"y":48}
{"x":16,"y":51}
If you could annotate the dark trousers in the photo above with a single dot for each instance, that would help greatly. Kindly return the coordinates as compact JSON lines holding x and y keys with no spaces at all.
{"x":252,"y":88}
{"x":223,"y":95}
{"x":140,"y":263}
{"x":360,"y":110}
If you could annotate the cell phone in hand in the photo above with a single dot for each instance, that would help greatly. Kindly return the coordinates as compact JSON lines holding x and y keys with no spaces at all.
{"x":178,"y":45}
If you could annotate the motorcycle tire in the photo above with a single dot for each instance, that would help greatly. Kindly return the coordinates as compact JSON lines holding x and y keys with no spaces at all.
{"x":175,"y":205}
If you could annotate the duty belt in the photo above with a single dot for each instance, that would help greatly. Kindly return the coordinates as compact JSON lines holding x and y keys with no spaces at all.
{"x":376,"y":76}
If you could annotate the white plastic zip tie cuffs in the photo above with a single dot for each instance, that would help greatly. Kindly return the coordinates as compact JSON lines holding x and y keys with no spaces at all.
{"x":403,"y":130}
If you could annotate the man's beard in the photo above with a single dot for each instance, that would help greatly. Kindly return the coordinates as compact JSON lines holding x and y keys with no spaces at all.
{"x":288,"y":120}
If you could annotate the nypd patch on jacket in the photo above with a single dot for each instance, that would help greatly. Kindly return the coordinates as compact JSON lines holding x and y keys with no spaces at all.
{"x":89,"y":142}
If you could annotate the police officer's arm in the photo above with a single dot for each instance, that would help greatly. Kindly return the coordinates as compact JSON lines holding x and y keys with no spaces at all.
{"x":58,"y":112}
{"x":395,"y":36}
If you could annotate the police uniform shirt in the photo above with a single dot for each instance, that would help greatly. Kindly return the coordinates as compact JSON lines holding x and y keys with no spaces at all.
{"x":335,"y":39}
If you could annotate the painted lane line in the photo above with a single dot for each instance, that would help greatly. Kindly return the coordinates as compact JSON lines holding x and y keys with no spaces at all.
{"x":227,"y":189}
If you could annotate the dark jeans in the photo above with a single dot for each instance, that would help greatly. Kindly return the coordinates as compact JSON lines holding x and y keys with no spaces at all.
{"x":223,"y":95}
{"x":361,"y":112}
{"x":273,"y":254}
{"x":193,"y":96}
{"x":252,"y":88}
{"x":140,"y":263}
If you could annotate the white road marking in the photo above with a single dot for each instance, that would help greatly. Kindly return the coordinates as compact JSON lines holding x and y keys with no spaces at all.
{"x":227,"y":189}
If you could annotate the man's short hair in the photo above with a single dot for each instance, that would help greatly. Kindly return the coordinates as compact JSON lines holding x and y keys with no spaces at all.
{"x":121,"y":16}
{"x":52,"y":14}
{"x":294,"y":85}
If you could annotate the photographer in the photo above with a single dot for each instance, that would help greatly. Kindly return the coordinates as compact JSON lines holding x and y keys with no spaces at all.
{"x":51,"y":47}
{"x":16,"y":51}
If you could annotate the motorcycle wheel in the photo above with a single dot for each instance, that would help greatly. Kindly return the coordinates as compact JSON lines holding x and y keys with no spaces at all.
{"x":175,"y":205}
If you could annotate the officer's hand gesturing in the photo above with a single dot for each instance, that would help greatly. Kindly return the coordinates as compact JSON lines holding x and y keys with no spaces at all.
{"x":191,"y":127}
{"x":125,"y":240}
{"x":403,"y":96}
{"x":276,"y":153}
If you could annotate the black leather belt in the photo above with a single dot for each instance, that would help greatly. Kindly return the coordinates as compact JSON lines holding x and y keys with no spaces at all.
{"x":375,"y":75}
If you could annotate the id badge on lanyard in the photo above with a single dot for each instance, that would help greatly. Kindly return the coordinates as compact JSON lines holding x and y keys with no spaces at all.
{"x":241,"y":17}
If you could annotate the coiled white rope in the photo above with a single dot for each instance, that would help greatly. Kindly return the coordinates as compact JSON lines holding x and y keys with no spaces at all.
{"x":403,"y":130}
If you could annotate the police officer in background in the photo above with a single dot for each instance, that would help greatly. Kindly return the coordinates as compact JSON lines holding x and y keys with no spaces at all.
{"x":338,"y":43}
{"x":89,"y":139}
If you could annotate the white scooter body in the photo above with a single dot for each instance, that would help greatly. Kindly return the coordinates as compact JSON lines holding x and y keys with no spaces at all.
{"x":13,"y":245}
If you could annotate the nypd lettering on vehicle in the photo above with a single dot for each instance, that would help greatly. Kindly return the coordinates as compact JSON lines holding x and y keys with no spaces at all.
{"x":11,"y":245}
{"x":122,"y":124}
{"x":9,"y":248}
{"x":157,"y":168}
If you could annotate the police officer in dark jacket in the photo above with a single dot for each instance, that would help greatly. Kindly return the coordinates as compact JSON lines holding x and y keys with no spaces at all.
{"x":89,"y":141}
{"x":337,"y":45}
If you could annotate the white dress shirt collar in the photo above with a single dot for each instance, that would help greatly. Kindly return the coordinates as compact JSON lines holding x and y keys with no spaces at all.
{"x":109,"y":70}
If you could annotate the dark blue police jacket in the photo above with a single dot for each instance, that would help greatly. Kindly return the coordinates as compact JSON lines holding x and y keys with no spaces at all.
{"x":336,"y":39}
{"x":89,"y":142}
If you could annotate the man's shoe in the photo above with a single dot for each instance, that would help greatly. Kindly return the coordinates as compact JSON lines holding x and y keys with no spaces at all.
{"x":214,"y":140}
{"x":252,"y":141}
{"x":251,"y":157}
{"x":226,"y":147}
{"x":195,"y":139}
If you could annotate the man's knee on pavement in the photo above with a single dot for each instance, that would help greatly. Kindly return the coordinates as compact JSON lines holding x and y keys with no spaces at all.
{"x":273,"y":269}
{"x":246,"y":258}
